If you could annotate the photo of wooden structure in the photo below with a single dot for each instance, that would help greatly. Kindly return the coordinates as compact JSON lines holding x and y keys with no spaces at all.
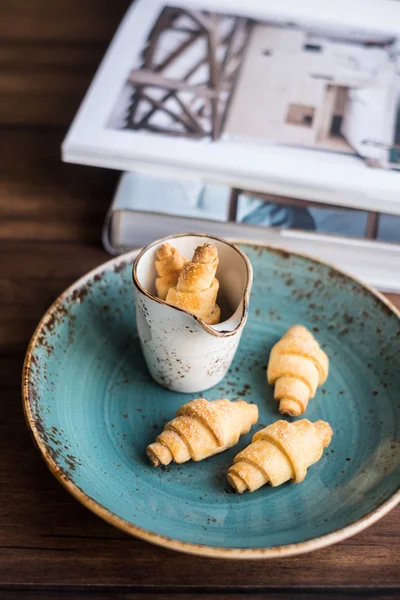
{"x":188,"y":73}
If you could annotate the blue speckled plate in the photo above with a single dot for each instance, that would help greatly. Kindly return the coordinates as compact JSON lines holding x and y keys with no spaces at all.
{"x":93,"y":409}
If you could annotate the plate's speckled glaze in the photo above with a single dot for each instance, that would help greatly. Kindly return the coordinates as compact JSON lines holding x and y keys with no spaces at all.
{"x":93,"y":409}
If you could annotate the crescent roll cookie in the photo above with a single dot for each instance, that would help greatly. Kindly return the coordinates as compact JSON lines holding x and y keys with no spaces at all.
{"x":297,"y":366}
{"x":197,"y":287}
{"x":280,"y":452}
{"x":201,"y":429}
{"x":169,"y":263}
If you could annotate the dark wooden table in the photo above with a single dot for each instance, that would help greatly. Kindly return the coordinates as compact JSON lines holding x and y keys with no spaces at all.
{"x":51,"y":215}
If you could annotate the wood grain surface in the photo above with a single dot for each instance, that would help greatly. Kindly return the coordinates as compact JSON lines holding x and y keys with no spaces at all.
{"x":51,"y":217}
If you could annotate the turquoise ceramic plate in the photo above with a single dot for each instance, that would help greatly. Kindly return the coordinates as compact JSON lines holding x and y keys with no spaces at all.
{"x":93,"y":409}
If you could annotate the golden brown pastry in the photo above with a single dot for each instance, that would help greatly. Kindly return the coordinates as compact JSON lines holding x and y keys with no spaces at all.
{"x":197,"y":287}
{"x":201,"y":429}
{"x":169,"y":263}
{"x":297,"y":366}
{"x":278,"y":453}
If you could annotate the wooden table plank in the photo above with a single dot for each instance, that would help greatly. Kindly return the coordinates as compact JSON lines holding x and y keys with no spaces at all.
{"x":42,"y":198}
{"x":51,"y":217}
{"x":121,"y":594}
{"x":70,"y":21}
{"x":107,"y":594}
{"x":394,"y":299}
{"x":49,"y":52}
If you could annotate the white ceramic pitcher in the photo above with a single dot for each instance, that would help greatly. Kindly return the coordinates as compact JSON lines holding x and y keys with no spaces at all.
{"x":182,"y":352}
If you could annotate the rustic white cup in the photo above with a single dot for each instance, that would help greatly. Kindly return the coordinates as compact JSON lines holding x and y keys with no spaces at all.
{"x":183,"y":353}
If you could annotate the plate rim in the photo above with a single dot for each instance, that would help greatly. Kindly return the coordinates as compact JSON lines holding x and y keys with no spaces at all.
{"x":94,"y":506}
